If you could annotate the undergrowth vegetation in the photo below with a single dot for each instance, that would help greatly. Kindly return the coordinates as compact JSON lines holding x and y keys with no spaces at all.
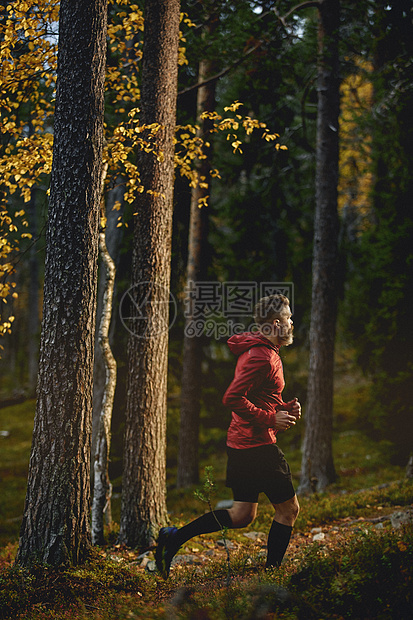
{"x":370,"y":575}
{"x":362,"y":568}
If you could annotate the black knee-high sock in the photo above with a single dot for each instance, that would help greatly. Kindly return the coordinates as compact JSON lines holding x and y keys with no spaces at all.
{"x":205,"y":524}
{"x":278,"y":539}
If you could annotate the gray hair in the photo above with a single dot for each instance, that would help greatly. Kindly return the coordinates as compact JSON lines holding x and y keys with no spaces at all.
{"x":270,"y":308}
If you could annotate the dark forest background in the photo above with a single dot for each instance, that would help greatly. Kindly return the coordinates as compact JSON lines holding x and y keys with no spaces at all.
{"x":261,"y":211}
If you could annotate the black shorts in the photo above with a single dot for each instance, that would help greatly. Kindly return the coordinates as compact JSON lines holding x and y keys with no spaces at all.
{"x":263,"y":469}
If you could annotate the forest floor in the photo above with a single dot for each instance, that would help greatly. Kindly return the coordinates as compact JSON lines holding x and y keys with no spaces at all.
{"x":355,"y":566}
{"x":350,"y":556}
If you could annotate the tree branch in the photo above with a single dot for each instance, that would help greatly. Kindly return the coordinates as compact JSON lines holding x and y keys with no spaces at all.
{"x":215,"y":77}
{"x":298,"y":7}
{"x":302,"y":5}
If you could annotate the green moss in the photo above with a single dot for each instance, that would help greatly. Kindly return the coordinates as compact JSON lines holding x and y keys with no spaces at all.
{"x":17,"y":422}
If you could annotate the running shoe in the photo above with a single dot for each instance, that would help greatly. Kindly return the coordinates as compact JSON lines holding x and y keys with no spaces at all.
{"x":163,"y":554}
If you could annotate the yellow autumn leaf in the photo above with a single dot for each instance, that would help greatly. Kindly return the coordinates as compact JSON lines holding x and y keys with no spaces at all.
{"x":402,"y":546}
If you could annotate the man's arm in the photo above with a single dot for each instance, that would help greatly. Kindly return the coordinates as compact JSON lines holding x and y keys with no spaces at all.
{"x":249,"y":377}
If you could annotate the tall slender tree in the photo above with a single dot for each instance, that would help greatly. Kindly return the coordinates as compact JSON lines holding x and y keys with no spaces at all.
{"x":102,"y":487}
{"x":188,"y":459}
{"x":317,"y":468}
{"x":144,"y":476}
{"x":113,"y":234}
{"x":55,"y":527}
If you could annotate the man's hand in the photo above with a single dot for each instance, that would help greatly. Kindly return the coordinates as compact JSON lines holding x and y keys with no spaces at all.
{"x":284,"y":420}
{"x":294,"y":408}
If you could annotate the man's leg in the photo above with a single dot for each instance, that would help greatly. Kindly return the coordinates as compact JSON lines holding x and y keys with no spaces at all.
{"x":171,"y":538}
{"x":243,"y":513}
{"x":280,"y":532}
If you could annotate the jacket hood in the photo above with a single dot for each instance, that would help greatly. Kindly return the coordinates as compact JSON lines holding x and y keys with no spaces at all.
{"x":240,"y":343}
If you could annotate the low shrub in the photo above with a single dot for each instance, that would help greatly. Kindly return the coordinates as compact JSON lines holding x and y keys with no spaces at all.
{"x":371,"y":576}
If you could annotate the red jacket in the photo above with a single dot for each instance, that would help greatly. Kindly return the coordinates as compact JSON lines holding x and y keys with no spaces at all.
{"x":254,"y":394}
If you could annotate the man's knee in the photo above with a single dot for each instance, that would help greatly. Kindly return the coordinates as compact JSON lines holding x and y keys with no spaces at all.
{"x":295,"y":509}
{"x":287,"y":512}
{"x":242,"y":520}
{"x":241,"y":516}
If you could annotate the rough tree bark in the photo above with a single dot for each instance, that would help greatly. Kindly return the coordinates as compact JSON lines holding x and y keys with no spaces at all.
{"x":317,"y":467}
{"x":144,"y":477}
{"x":55,"y":528}
{"x":188,"y":459}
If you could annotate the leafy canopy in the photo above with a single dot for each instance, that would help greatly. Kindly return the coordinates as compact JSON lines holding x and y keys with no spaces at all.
{"x":28,"y":60}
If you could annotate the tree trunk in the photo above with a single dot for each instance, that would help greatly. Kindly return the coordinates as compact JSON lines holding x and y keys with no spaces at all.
{"x":102,"y":488}
{"x":113,"y":240}
{"x":188,"y":460}
{"x":55,"y":528}
{"x":317,"y":469}
{"x":144,"y":476}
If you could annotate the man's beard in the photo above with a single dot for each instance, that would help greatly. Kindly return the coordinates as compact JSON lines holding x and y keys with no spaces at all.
{"x":286,"y":339}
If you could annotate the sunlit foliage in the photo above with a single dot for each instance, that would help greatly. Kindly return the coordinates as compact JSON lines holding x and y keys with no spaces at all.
{"x":355,"y":182}
{"x":28,"y":59}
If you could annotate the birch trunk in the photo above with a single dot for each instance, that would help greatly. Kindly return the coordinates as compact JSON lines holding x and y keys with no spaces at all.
{"x":102,"y":488}
{"x":113,"y":240}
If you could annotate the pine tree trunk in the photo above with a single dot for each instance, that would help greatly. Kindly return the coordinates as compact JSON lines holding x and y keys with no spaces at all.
{"x":317,"y":469}
{"x":188,"y":459}
{"x":144,"y":476}
{"x":55,"y":528}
